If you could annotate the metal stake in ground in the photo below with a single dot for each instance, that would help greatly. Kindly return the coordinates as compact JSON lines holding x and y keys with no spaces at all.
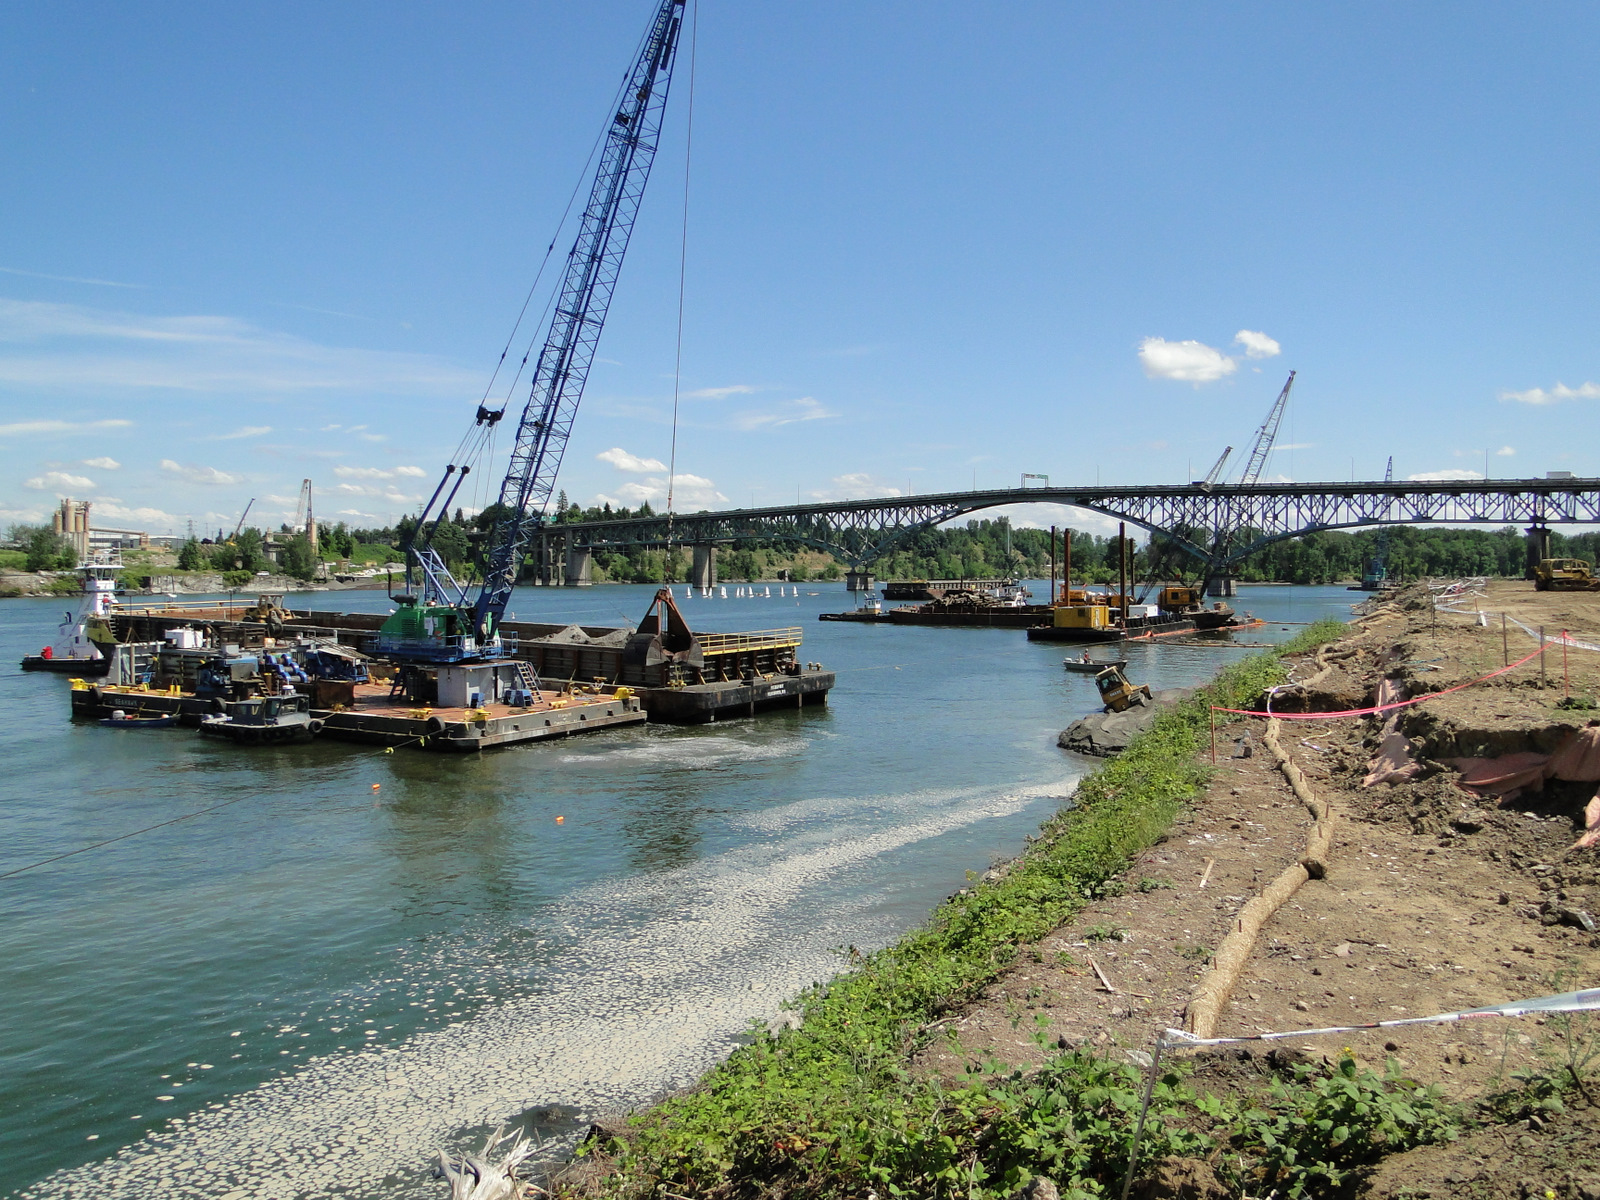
{"x":1505,"y":644}
{"x":1144,"y":1107}
{"x":1541,"y":656}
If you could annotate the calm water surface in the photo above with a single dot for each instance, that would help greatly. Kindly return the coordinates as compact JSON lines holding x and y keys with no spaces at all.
{"x":314,"y":988}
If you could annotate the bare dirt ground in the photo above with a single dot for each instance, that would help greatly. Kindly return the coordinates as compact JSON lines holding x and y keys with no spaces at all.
{"x":1434,"y":899}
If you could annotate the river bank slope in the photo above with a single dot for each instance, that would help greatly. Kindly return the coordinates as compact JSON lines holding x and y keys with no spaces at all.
{"x":1002,"y":1044}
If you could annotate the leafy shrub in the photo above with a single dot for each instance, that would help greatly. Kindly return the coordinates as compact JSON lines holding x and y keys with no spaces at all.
{"x":1319,"y":1129}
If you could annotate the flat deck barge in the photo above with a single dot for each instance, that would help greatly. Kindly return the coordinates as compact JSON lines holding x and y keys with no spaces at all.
{"x":374,"y":718}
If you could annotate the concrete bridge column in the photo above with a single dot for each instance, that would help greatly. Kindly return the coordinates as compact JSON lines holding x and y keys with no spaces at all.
{"x":1538,"y":548}
{"x":858,"y":581}
{"x":580,"y":567}
{"x":704,"y":574}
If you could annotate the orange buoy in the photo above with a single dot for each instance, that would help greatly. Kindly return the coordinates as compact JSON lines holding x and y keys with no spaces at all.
{"x":376,"y":786}
{"x":560,"y":820}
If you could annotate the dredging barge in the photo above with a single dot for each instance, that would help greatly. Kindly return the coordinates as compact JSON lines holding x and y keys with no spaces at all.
{"x":195,"y":659}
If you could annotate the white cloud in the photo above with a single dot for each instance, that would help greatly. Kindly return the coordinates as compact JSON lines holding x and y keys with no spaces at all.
{"x":106,"y":511}
{"x":69,"y":278}
{"x":1257,"y":345}
{"x":689,"y":493}
{"x":1294,"y":446}
{"x":25,"y":427}
{"x":1445,"y":476}
{"x":1584,"y":391}
{"x":209,"y":476}
{"x":855,"y":486}
{"x":1187,"y":361}
{"x":807,"y":408}
{"x":719,"y":393}
{"x":380,"y":492}
{"x":378,"y":472}
{"x":247,"y":431}
{"x":104,"y":463}
{"x":73,"y":346}
{"x":623,"y":461}
{"x":356,"y":512}
{"x":1505,"y":451}
{"x":59,"y":481}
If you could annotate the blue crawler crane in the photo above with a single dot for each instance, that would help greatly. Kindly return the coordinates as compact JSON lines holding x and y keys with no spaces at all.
{"x":441,"y":624}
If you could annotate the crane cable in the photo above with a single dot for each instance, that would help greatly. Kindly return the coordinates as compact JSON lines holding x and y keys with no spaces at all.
{"x":683,"y":269}
{"x":555,"y":237}
{"x":470,"y":450}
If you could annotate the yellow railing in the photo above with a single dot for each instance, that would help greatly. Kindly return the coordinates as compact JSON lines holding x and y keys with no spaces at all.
{"x":761,"y":639}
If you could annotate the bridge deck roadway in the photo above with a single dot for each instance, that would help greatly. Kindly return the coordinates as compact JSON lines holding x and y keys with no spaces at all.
{"x":862,"y":530}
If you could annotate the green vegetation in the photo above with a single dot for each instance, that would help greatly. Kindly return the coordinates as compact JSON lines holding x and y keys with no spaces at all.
{"x":43,"y":549}
{"x":831,"y":1109}
{"x":989,"y":548}
{"x":1315,"y":1132}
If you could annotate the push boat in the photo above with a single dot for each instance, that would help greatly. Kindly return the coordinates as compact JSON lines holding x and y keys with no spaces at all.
{"x":84,"y":641}
{"x":263,"y":719}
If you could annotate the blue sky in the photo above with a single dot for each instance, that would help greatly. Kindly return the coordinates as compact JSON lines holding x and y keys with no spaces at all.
{"x":929,"y":244}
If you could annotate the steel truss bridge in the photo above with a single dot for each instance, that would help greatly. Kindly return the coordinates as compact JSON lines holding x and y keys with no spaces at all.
{"x":1189,"y":516}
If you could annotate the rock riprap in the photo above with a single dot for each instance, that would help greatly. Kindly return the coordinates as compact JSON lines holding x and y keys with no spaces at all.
{"x":1104,"y":734}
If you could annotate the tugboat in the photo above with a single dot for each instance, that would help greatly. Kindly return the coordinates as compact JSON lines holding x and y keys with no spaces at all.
{"x":870,"y":610}
{"x":260,"y":720}
{"x":84,"y":642}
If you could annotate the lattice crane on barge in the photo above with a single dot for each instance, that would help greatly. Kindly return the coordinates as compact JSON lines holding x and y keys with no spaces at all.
{"x":442,"y":624}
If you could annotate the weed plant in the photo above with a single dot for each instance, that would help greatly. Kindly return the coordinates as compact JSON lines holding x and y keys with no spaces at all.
{"x":830,"y":1108}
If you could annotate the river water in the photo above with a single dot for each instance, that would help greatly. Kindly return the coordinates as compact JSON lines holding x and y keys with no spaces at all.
{"x":313,"y":989}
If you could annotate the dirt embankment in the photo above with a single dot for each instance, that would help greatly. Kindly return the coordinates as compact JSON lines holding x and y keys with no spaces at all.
{"x":1432,"y":898}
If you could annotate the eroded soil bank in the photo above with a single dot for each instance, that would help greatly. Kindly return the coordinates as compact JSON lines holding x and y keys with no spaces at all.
{"x":1431,"y":898}
{"x":1435,"y":898}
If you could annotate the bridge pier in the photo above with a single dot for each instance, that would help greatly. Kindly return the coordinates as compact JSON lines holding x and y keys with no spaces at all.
{"x":1538,"y":548}
{"x":704,"y":573}
{"x":858,"y":581}
{"x":580,"y":568}
{"x":541,"y":562}
{"x":1218,"y":586}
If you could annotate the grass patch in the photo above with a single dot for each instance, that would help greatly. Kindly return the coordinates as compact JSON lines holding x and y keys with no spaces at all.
{"x":829,"y":1109}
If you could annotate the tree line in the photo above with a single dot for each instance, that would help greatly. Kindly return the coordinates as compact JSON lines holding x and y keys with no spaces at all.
{"x":978,"y":549}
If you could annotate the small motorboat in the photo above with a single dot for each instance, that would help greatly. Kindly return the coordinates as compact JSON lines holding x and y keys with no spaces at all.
{"x":1092,"y":667}
{"x":121,"y":720}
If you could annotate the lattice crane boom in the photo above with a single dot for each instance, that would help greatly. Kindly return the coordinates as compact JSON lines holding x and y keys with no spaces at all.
{"x":1210,"y":481}
{"x":584,"y":298}
{"x":1265,"y":436}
